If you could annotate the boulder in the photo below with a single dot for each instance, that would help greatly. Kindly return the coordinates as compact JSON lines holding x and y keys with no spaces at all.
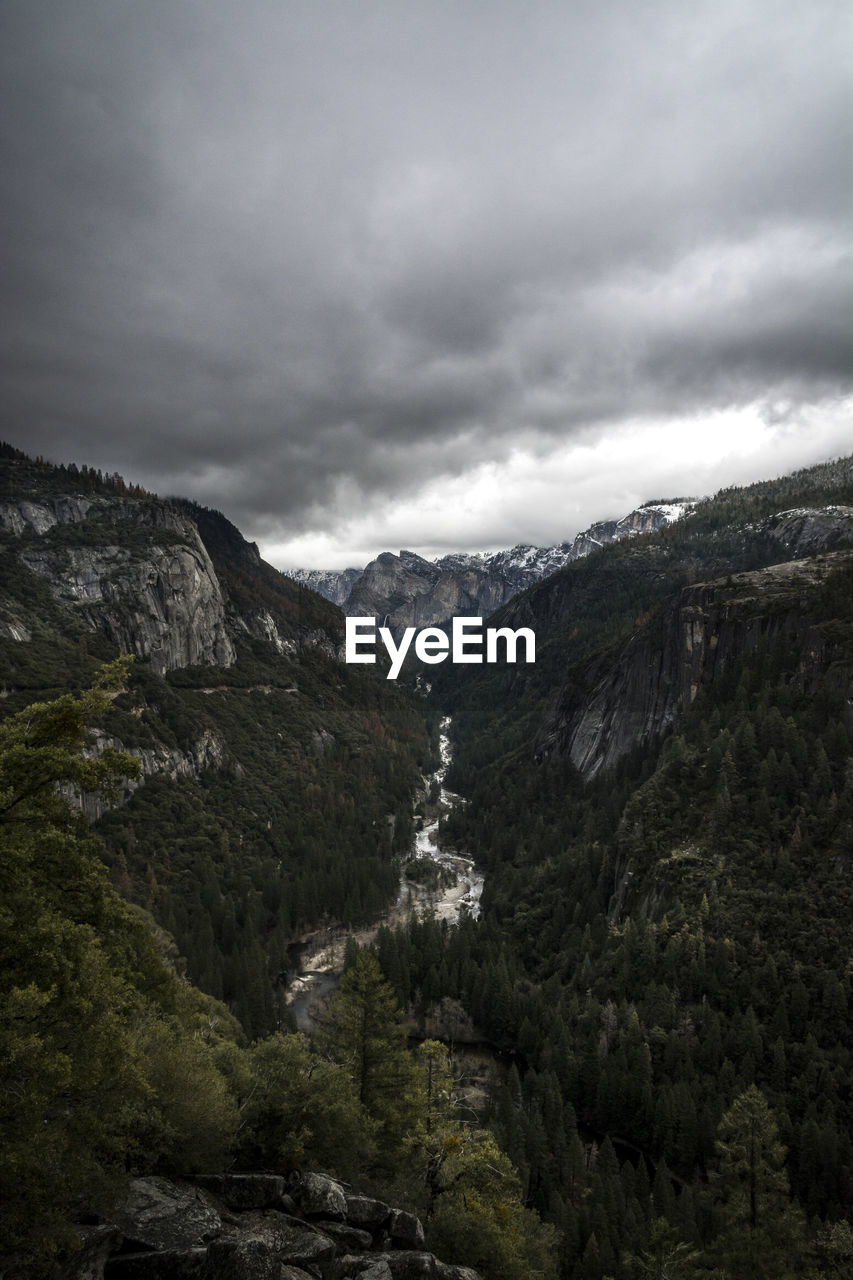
{"x":361,"y":1211}
{"x":410,"y":1265}
{"x":378,"y":1270}
{"x":403,"y":1265}
{"x":214,"y":1229}
{"x":159,"y":1214}
{"x":158,"y":1264}
{"x":96,"y":1245}
{"x":239,"y":1191}
{"x":366,"y":1267}
{"x":321,"y":1197}
{"x":348,"y":1239}
{"x":265,"y":1242}
{"x":242,"y":1258}
{"x":405,"y":1230}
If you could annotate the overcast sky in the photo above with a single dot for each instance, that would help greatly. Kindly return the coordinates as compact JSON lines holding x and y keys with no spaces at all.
{"x":438,"y":274}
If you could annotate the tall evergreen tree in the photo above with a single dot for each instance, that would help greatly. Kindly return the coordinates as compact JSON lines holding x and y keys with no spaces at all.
{"x":364,"y":1031}
{"x":760,"y":1225}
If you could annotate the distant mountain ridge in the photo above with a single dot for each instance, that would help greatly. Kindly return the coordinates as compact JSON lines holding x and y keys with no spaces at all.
{"x":409,"y":590}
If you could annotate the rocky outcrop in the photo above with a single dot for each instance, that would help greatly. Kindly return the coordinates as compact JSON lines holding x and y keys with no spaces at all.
{"x":261,"y":624}
{"x":805,"y":531}
{"x":256,"y":1227}
{"x":158,"y":760}
{"x":163,"y":605}
{"x":136,"y":571}
{"x":262,"y":603}
{"x":333,"y":584}
{"x":172,"y":582}
{"x":636,"y":695}
{"x":40,"y":516}
{"x":408,"y":591}
{"x":393,"y":585}
{"x":12,"y":628}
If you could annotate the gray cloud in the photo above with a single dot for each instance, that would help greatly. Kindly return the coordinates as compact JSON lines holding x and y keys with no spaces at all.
{"x":272,"y":252}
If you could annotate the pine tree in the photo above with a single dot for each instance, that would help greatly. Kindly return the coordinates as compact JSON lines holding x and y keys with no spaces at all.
{"x":751,"y":1161}
{"x":665,"y":1257}
{"x":364,"y":1031}
{"x":760,"y":1225}
{"x":295,"y":1106}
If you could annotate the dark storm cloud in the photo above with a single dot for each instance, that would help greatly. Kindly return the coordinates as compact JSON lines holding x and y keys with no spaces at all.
{"x":254,"y":252}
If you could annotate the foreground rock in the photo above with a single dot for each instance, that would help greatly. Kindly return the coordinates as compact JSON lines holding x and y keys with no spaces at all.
{"x":158,"y":1214}
{"x":257,"y":1227}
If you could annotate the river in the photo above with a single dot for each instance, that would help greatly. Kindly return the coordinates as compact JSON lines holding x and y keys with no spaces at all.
{"x":320,"y":957}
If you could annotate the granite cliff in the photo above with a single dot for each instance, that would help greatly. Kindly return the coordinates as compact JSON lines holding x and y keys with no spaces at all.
{"x":138,"y":572}
{"x":705,"y":630}
{"x":134,"y":569}
{"x":333,"y":584}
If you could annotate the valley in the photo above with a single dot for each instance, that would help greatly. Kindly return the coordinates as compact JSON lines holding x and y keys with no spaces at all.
{"x":319,"y":957}
{"x":625,"y":868}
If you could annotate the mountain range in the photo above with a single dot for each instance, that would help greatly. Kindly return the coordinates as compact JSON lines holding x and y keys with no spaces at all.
{"x":407,"y":590}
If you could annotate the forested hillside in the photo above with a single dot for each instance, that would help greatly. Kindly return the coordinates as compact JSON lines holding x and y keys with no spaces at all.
{"x":667,"y":943}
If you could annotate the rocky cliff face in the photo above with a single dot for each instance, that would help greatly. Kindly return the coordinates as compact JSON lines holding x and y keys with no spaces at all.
{"x":804,"y":530}
{"x":407,"y":590}
{"x":157,"y":760}
{"x":261,"y":602}
{"x":135,"y":570}
{"x":333,"y":584}
{"x":171,"y":582}
{"x":658,"y":673}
